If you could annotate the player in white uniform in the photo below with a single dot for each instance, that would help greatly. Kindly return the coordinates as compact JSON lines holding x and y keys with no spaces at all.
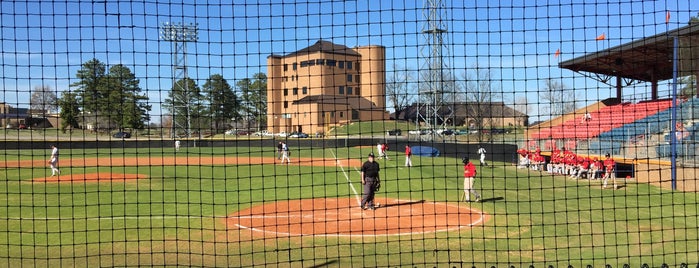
{"x":53,"y":161}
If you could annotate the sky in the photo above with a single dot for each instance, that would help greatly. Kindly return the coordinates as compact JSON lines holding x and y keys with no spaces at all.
{"x":45,"y":42}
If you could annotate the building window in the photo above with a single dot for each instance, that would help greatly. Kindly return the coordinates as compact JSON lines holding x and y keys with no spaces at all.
{"x":356,"y":78}
{"x":286,"y":92}
{"x":311,"y":62}
{"x":355,"y":115}
{"x":304,"y":90}
{"x":330,"y":62}
{"x":349,"y":65}
{"x":304,"y":64}
{"x":349,"y":77}
{"x":342,"y":90}
{"x":356,"y":91}
{"x":349,"y":90}
{"x":295,"y":91}
{"x":286,"y":104}
{"x":342,"y":114}
{"x":286,"y":67}
{"x":332,"y":114}
{"x":356,"y":66}
{"x":320,"y":62}
{"x":341,"y":64}
{"x":293,"y":66}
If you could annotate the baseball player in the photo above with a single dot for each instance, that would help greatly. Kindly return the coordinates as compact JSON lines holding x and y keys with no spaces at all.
{"x":469,"y":174}
{"x":408,"y":154}
{"x":609,"y":171}
{"x":285,"y":153}
{"x":481,"y":151}
{"x":53,"y":161}
{"x":177,"y":145}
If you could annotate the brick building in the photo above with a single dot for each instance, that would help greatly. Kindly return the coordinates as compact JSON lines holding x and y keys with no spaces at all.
{"x":325,"y":85}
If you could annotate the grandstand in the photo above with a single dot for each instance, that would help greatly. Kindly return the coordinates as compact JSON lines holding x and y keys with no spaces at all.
{"x":633,"y":132}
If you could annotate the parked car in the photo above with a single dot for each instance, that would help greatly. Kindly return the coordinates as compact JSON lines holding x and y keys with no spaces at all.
{"x":298,"y":135}
{"x":230,"y":132}
{"x":282,"y":134}
{"x":122,"y":135}
{"x":263,"y":133}
{"x":461,"y":132}
{"x":448,"y":132}
{"x":394,"y":132}
{"x":22,"y":126}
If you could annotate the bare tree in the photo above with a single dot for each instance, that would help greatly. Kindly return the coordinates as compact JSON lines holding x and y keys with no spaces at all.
{"x":560,"y":100}
{"x":398,"y":89}
{"x":44,"y":100}
{"x":480,"y":91}
{"x":521,"y":104}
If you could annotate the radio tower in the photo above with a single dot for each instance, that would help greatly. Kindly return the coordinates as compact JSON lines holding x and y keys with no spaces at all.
{"x":179,"y":35}
{"x":434,"y":73}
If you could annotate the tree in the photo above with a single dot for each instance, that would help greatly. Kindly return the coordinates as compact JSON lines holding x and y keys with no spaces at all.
{"x":253,"y":96}
{"x":480,"y":92}
{"x":43,"y":99}
{"x":185,"y":103}
{"x":560,"y":100}
{"x":90,"y":89}
{"x":126,"y":106}
{"x":223,"y":103}
{"x":522,"y":104}
{"x":113,"y":98}
{"x":398,"y":88}
{"x":70,"y":110}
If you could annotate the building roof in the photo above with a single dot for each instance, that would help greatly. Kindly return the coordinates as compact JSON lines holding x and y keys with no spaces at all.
{"x":326,"y":47}
{"x":647,"y":59}
{"x":361,"y":102}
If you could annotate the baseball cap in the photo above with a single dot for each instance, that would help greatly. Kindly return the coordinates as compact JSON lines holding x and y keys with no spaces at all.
{"x":371,"y":154}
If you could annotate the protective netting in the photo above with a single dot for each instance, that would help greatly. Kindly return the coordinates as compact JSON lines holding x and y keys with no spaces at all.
{"x":207,"y":134}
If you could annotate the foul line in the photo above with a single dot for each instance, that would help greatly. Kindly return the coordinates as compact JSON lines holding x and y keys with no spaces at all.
{"x":356,"y":194}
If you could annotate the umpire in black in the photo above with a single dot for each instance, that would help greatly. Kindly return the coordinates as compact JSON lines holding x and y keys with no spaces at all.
{"x":370,"y":180}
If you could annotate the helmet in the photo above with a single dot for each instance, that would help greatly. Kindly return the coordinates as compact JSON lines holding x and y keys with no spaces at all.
{"x":464,"y":160}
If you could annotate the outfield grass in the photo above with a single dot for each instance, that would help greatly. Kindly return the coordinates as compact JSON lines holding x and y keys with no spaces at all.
{"x":177,"y":216}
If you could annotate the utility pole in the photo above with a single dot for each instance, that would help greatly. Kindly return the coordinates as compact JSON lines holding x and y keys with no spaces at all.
{"x":180,"y":34}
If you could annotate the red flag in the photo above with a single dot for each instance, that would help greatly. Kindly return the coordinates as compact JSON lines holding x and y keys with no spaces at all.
{"x":601,"y":37}
{"x":558,"y":53}
{"x":667,"y":17}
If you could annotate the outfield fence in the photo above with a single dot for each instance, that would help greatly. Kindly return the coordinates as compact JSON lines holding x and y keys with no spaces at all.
{"x":219,"y":134}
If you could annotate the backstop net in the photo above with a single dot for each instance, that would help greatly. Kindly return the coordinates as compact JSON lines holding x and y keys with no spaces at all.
{"x":312,"y":133}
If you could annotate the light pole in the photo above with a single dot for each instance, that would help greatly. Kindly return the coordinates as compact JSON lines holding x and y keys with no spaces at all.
{"x":179,"y":34}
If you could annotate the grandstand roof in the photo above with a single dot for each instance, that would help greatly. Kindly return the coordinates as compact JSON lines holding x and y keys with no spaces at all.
{"x":648,"y":59}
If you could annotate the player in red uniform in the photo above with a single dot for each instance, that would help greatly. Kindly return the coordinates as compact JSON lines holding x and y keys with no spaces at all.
{"x":609,"y":171}
{"x":469,"y":177}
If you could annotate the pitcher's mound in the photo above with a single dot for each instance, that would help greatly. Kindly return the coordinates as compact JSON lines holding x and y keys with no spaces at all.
{"x":92,"y":177}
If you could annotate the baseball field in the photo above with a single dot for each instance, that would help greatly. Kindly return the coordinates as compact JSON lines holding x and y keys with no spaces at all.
{"x":231,"y":206}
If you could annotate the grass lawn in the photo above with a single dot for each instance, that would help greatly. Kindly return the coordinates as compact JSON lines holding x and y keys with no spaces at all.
{"x":176,"y":217}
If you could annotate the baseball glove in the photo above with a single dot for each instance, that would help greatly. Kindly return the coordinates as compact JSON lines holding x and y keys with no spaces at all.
{"x":377,"y":185}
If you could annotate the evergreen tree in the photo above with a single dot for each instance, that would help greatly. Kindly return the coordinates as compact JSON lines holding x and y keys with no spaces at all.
{"x":185,"y":103}
{"x":223,"y":103}
{"x":126,"y":106}
{"x":90,"y":87}
{"x":254,"y":99}
{"x":70,"y":110}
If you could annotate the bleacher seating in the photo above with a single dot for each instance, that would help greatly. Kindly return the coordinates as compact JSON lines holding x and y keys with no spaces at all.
{"x":603,"y":120}
{"x":652,"y":124}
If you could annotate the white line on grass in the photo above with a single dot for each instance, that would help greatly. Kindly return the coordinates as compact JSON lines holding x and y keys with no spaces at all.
{"x":356,"y":194}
